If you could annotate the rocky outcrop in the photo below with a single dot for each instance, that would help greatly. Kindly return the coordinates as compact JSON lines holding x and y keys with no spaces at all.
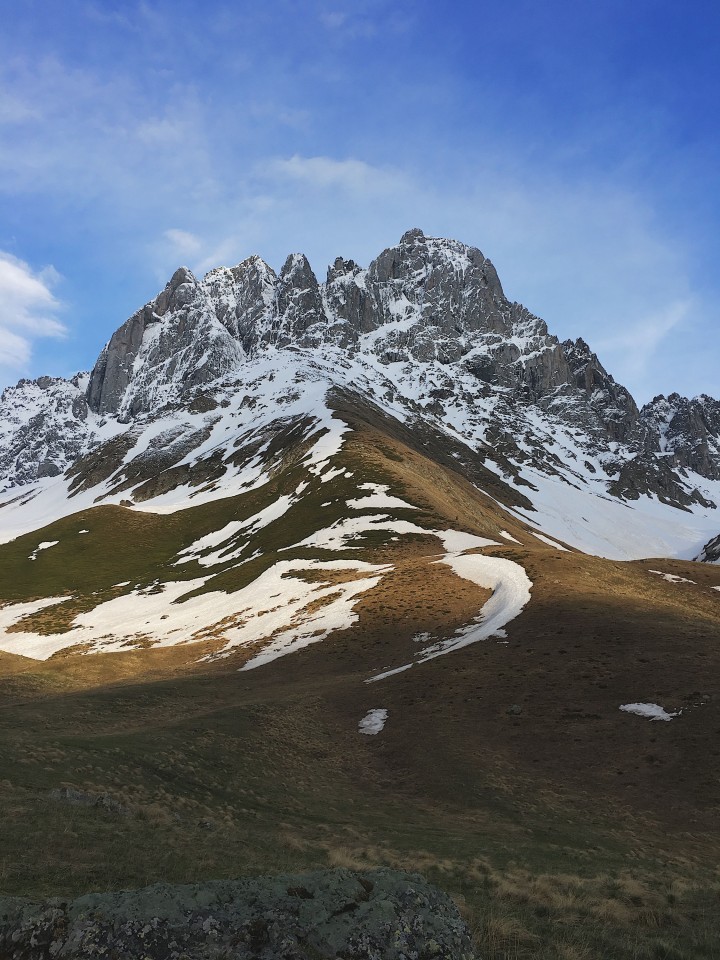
{"x":710,"y":553}
{"x":113,"y":371}
{"x":299,"y":306}
{"x":163,"y":352}
{"x":329,"y":914}
{"x":43,"y":428}
{"x":612,"y":403}
{"x":425,"y":299}
{"x":686,"y":432}
{"x":243,"y":299}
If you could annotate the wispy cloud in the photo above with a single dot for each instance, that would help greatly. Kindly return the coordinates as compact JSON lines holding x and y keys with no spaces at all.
{"x":350,"y":174}
{"x":28,"y":310}
{"x":634,"y":344}
{"x":364,"y":19}
{"x":183,"y":242}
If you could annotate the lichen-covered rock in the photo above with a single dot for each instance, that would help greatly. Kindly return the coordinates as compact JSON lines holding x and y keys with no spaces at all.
{"x":375,"y":915}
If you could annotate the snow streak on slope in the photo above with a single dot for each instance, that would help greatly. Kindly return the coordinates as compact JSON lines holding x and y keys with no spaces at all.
{"x":511,"y":592}
{"x":220,"y":538}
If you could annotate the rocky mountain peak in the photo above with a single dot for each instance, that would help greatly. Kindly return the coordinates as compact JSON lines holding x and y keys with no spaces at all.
{"x":411,"y":236}
{"x":608,"y":398}
{"x":427,"y":316}
{"x":687,"y":430}
{"x":299,"y":303}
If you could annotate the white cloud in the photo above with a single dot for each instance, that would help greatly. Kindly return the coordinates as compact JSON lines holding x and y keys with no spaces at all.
{"x":183,"y":242}
{"x":28,"y":310}
{"x":355,"y":176}
{"x":334,"y":19}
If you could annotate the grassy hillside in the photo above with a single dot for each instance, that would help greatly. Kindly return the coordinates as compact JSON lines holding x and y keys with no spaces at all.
{"x":506,"y":772}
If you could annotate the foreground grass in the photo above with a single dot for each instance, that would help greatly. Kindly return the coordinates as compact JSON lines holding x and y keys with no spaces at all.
{"x":222,"y":778}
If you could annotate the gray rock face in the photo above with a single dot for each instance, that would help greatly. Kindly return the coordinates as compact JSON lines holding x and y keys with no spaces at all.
{"x":611,"y":401}
{"x":686,"y":432}
{"x":711,"y":551}
{"x":171,"y":346}
{"x":424,"y":299}
{"x":299,"y":306}
{"x":243,"y":299}
{"x":115,"y":366}
{"x":329,"y":914}
{"x":43,"y":428}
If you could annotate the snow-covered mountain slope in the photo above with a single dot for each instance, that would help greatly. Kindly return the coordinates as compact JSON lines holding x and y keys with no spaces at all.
{"x":183,"y":402}
{"x":291,"y":513}
{"x":216,"y":444}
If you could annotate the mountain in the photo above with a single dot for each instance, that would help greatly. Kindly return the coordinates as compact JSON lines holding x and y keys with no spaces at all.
{"x":427,"y":335}
{"x":373,"y":552}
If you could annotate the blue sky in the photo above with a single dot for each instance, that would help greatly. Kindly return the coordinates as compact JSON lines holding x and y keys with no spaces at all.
{"x":575,"y":143}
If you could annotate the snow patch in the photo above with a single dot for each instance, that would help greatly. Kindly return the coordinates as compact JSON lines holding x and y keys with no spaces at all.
{"x":45,"y":545}
{"x":456,"y":541}
{"x":339,"y":535}
{"x":653,"y":711}
{"x":508,"y":536}
{"x":671,"y":577}
{"x":373,"y":722}
{"x":550,"y":543}
{"x":378,"y":498}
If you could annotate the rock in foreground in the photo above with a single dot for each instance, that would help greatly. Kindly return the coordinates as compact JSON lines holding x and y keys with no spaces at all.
{"x":375,"y":915}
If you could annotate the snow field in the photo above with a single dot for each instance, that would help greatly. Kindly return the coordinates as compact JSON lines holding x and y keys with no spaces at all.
{"x":279,"y":606}
{"x":574,"y":506}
